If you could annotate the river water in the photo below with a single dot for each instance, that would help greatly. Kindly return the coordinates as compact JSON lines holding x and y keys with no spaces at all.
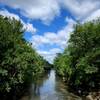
{"x":49,"y":87}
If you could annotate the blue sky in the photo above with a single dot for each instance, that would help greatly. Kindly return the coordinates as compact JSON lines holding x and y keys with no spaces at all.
{"x":49,"y":23}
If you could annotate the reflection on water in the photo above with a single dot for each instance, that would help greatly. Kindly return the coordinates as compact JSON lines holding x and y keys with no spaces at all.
{"x":49,"y":88}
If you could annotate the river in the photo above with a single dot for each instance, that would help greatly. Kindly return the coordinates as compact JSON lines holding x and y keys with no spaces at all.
{"x":49,"y":88}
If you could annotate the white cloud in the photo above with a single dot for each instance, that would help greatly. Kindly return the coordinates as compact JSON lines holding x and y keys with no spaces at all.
{"x":28,"y":26}
{"x":5,"y":13}
{"x":50,"y":55}
{"x":93,"y":16}
{"x":81,"y":8}
{"x":44,"y":10}
{"x":60,"y":39}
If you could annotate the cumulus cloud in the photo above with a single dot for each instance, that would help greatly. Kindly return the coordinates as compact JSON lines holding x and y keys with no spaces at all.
{"x":81,"y":8}
{"x":93,"y":16}
{"x":50,"y":55}
{"x":60,"y":39}
{"x":28,"y":26}
{"x":44,"y":10}
{"x":5,"y":13}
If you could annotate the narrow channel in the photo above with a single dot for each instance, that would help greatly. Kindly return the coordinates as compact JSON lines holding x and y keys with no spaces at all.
{"x":49,"y":88}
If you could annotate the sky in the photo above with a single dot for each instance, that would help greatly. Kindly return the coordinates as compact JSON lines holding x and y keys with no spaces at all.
{"x":49,"y":23}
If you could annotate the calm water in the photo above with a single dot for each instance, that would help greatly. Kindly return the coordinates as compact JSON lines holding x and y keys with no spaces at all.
{"x":49,"y":88}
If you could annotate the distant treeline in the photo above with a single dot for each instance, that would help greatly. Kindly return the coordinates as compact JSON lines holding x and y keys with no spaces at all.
{"x":18,"y":60}
{"x":79,"y":64}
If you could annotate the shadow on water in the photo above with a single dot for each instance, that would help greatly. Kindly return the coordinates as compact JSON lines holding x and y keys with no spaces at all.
{"x":46,"y":87}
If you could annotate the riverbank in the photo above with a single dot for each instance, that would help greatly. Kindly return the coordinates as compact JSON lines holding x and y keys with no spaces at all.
{"x":86,"y":95}
{"x":47,"y":87}
{"x":93,"y":96}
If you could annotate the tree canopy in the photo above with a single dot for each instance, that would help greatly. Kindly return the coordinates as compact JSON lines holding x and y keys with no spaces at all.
{"x":18,"y":60}
{"x":80,"y":61}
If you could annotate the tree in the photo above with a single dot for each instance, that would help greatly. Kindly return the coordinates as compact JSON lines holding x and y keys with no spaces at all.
{"x":18,"y":60}
{"x":82,"y":56}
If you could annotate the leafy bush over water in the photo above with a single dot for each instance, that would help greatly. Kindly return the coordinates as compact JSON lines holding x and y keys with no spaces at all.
{"x":80,"y":61}
{"x":18,"y":60}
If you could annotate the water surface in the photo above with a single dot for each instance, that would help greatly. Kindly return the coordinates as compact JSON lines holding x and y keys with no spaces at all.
{"x":49,"y":88}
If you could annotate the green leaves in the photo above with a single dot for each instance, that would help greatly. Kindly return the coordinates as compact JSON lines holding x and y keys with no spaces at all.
{"x":81,"y":63}
{"x":18,"y":60}
{"x":3,"y":72}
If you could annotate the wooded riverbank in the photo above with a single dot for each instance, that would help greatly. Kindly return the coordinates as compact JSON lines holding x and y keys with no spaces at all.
{"x":78,"y":65}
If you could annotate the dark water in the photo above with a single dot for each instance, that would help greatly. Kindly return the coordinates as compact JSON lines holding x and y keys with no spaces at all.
{"x":49,"y":88}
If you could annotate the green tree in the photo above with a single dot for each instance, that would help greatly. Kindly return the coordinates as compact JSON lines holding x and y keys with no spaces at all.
{"x":18,"y":59}
{"x":82,"y":56}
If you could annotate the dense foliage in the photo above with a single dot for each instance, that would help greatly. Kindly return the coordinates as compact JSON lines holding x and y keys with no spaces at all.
{"x":80,"y":61}
{"x":18,"y":60}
